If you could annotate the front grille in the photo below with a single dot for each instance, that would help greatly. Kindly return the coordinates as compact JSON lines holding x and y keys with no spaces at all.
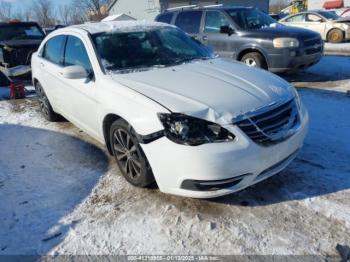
{"x":273,"y":126}
{"x":311,"y":51}
{"x":313,"y":46}
{"x":312,"y":42}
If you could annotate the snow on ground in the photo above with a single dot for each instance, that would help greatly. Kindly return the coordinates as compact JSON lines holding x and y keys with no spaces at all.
{"x":62,"y":194}
{"x":331,"y":73}
{"x":337,"y":49}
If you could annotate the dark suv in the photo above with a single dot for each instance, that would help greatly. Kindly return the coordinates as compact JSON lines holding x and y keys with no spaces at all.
{"x":250,"y":36}
{"x":18,"y":41}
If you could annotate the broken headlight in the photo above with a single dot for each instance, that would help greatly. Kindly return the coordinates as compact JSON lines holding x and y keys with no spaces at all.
{"x":187,"y":130}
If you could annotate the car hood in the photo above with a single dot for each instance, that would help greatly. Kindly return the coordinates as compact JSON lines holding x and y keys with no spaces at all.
{"x":21,"y":43}
{"x":281,"y":30}
{"x":343,"y":20}
{"x":216,"y":90}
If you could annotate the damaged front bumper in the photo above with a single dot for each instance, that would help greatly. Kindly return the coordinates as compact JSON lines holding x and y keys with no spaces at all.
{"x":218,"y":169}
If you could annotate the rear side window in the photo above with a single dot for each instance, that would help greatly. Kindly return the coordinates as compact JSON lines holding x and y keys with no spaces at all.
{"x":165,"y":18}
{"x":189,"y":21}
{"x":76,"y":54}
{"x":296,"y":18}
{"x":53,"y":49}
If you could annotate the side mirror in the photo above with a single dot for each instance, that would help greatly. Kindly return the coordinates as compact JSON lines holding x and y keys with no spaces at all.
{"x":74,"y":72}
{"x":227,"y":30}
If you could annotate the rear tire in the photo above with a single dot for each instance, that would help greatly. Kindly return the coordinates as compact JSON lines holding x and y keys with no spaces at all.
{"x":335,"y":36}
{"x":45,"y":106}
{"x":129,"y":155}
{"x":254,"y":59}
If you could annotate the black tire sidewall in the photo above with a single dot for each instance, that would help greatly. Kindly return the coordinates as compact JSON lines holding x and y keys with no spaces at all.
{"x":50,"y":115}
{"x":146,"y":177}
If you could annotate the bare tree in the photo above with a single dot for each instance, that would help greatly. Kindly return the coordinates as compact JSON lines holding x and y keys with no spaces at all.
{"x":5,"y":11}
{"x":44,"y":12}
{"x":65,"y":13}
{"x":96,"y":10}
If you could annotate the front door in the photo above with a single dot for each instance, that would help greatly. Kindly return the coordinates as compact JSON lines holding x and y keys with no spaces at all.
{"x":80,"y":99}
{"x":221,"y":43}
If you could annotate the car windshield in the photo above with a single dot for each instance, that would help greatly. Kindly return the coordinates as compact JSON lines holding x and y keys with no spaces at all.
{"x":329,"y":15}
{"x":161,"y":47}
{"x":250,"y":19}
{"x":20,"y":32}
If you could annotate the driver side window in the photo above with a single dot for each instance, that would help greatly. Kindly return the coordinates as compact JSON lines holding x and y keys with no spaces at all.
{"x":313,"y":18}
{"x":214,"y":20}
{"x":75,"y":54}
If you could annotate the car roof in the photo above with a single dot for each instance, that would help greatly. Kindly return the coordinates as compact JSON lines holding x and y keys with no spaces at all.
{"x":117,"y":26}
{"x":214,"y":7}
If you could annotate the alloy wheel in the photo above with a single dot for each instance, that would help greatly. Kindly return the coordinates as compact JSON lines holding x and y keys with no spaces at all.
{"x":126,"y":153}
{"x":43,"y":101}
{"x":250,"y":62}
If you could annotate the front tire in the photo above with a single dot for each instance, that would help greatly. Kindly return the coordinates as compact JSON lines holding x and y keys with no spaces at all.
{"x":45,"y":106}
{"x":335,"y":36}
{"x":254,"y":59}
{"x":128,"y":153}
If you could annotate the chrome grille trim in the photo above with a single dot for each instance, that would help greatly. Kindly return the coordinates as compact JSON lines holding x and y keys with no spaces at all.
{"x":271,"y":126}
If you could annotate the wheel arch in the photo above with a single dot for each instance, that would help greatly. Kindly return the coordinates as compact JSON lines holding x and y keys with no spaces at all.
{"x":108,"y":120}
{"x":247,"y":50}
{"x":334,"y":28}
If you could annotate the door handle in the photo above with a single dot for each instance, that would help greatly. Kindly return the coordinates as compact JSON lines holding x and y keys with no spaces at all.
{"x":205,"y":38}
{"x":42,"y":64}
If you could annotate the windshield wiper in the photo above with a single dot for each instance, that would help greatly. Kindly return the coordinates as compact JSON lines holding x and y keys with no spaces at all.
{"x":138,"y":68}
{"x":186,"y":60}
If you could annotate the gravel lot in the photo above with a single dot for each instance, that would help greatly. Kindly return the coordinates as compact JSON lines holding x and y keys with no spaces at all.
{"x":62,"y":194}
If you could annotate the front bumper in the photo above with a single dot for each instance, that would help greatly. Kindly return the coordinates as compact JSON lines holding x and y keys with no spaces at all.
{"x":174,"y":165}
{"x":292,"y":59}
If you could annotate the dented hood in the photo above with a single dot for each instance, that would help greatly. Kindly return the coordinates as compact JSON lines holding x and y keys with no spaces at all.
{"x":215,"y":90}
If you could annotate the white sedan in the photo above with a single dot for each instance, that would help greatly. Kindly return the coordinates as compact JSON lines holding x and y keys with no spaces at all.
{"x":167,"y":109}
{"x":329,"y":25}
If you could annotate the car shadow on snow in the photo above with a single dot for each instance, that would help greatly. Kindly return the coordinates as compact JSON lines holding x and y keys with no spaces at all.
{"x":322,"y":167}
{"x":330,"y":68}
{"x":44,"y":175}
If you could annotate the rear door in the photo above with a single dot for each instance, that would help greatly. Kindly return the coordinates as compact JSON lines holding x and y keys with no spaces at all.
{"x":190,"y":22}
{"x":50,"y":64}
{"x":221,"y":43}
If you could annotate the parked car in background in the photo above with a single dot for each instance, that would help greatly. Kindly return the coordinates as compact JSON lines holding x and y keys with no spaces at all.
{"x":168,"y":109}
{"x":346,"y":13}
{"x":250,"y":36}
{"x":18,"y":41}
{"x":49,"y":30}
{"x":329,"y":25}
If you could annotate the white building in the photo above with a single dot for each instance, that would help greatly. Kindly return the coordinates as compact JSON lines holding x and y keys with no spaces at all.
{"x":138,"y":9}
{"x":149,"y":9}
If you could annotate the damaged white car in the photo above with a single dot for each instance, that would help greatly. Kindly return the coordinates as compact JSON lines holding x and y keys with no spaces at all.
{"x":168,"y":109}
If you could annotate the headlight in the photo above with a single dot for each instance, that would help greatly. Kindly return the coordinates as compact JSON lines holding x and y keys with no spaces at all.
{"x":285,"y":42}
{"x":187,"y":130}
